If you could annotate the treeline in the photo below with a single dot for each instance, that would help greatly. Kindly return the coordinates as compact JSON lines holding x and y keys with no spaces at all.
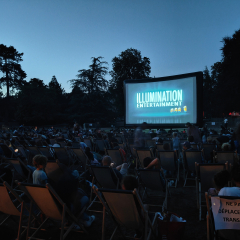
{"x":92,"y":99}
{"x":221,"y":84}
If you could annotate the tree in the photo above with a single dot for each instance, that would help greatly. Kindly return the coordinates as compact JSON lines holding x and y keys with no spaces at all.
{"x":55,"y":86}
{"x":13,"y":75}
{"x":128,"y":65}
{"x":92,"y":79}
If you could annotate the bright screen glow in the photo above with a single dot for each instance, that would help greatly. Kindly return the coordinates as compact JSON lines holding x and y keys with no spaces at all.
{"x":161,"y":102}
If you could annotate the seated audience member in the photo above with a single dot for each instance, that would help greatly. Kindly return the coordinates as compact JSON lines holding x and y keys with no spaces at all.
{"x":166,"y":147}
{"x":187,"y":147}
{"x":120,"y":170}
{"x":232,"y":191}
{"x":106,"y":141}
{"x":209,"y":139}
{"x":116,"y":146}
{"x":39,"y":176}
{"x":90,"y":156}
{"x":129,"y":182}
{"x":226,"y":147}
{"x":149,"y":163}
{"x":75,"y":198}
{"x":175,"y":141}
{"x":220,"y":180}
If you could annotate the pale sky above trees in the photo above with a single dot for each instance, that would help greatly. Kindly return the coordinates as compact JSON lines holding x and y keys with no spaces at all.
{"x":59,"y":37}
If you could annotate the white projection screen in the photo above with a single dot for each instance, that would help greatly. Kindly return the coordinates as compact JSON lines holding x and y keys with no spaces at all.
{"x":164,"y":102}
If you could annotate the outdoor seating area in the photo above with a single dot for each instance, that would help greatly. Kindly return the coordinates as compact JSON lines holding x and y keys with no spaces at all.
{"x":123,"y":195}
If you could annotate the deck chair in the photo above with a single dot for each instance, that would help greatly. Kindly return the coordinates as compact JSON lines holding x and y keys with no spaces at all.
{"x":100,"y":145}
{"x":88,"y":143}
{"x":20,"y":170}
{"x":208,"y":152}
{"x":150,"y":143}
{"x":160,"y":147}
{"x":104,"y":177}
{"x":141,"y":154}
{"x":152,"y":179}
{"x":189,"y":159}
{"x":53,"y":171}
{"x":51,"y":205}
{"x":62,"y":155}
{"x":75,"y":144}
{"x":223,"y":157}
{"x":126,"y":210}
{"x":12,"y":206}
{"x":82,"y":158}
{"x":169,"y":162}
{"x":32,"y":152}
{"x":204,"y":180}
{"x":47,"y":153}
{"x":116,"y":155}
{"x":218,"y":227}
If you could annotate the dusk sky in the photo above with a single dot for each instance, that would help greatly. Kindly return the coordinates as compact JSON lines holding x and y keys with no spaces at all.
{"x":59,"y":37}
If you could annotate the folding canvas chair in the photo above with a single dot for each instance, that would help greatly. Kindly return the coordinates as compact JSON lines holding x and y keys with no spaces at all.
{"x":126,"y":210}
{"x":100,"y":145}
{"x":150,"y":143}
{"x":221,"y":224}
{"x":62,"y":155}
{"x":169,"y":162}
{"x":88,"y":143}
{"x":189,"y":159}
{"x":116,"y":155}
{"x":82,"y":158}
{"x":51,"y":205}
{"x":12,"y":206}
{"x":46,"y":151}
{"x":53,"y":171}
{"x":204,"y":180}
{"x":223,"y":157}
{"x":208,"y":152}
{"x":152,"y":179}
{"x":141,"y":154}
{"x":75,"y":144}
{"x":104,"y":177}
{"x":32,"y":152}
{"x":19,"y":170}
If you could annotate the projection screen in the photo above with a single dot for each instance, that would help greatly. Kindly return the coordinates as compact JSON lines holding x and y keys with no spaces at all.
{"x":165,"y":102}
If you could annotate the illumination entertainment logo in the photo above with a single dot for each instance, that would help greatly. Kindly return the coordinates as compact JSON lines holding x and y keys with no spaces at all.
{"x":171,"y":98}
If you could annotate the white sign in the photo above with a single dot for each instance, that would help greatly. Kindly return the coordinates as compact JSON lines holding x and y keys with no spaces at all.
{"x":226,"y":213}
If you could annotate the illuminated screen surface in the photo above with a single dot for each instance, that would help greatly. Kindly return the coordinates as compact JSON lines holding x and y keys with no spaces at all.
{"x":161,"y":102}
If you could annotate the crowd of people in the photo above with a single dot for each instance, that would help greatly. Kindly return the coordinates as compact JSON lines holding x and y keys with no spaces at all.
{"x":68,"y":187}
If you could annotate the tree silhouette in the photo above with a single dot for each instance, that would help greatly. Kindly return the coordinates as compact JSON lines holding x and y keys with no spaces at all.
{"x":92,"y":79}
{"x":128,"y":65}
{"x":55,"y":86}
{"x":13,"y":75}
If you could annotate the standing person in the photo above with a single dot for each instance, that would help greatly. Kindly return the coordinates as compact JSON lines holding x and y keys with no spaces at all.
{"x":193,"y":131}
{"x":139,"y":141}
{"x":225,"y":121}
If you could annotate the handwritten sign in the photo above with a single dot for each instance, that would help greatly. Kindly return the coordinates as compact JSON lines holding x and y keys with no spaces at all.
{"x":226,"y":213}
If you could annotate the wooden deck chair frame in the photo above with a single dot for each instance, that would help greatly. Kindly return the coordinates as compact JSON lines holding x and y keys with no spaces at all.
{"x":212,"y":233}
{"x":204,"y":180}
{"x":189,"y":164}
{"x":8,"y":207}
{"x":20,"y":168}
{"x":207,"y":150}
{"x":223,"y":156}
{"x":52,"y":206}
{"x":141,"y":154}
{"x":121,"y":205}
{"x":151,"y":179}
{"x":46,"y":151}
{"x":82,"y":158}
{"x":167,"y":161}
{"x":102,"y":176}
{"x":116,"y":155}
{"x":88,"y":143}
